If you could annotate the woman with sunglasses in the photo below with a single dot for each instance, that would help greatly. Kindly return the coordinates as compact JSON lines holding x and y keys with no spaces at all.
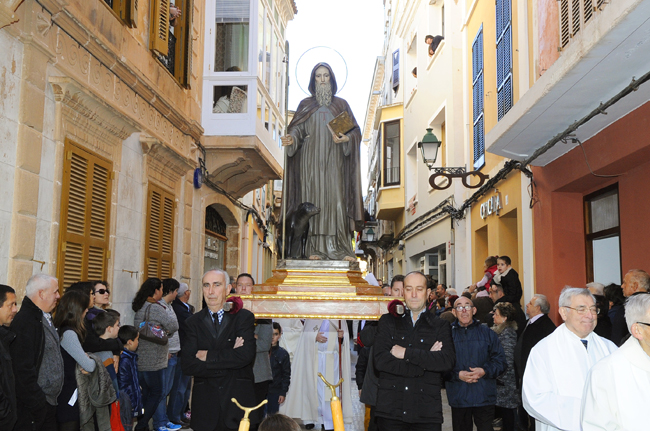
{"x":101,"y":294}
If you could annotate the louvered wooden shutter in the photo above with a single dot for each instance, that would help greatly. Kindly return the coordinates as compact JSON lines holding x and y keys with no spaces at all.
{"x":160,"y":233}
{"x":477,"y":100}
{"x":185,"y":44}
{"x":85,"y":206}
{"x":160,"y":26}
{"x":132,"y":13}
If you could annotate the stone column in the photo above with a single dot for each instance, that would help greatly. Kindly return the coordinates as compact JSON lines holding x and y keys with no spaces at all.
{"x":28,"y":166}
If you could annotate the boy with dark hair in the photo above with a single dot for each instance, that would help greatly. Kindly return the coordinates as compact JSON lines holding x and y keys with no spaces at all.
{"x":107,"y":326}
{"x":127,"y":376}
{"x":281,"y":367}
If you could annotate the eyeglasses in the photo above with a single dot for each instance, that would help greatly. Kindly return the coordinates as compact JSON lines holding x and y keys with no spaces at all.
{"x":643,"y":323}
{"x":102,"y":291}
{"x":463,"y":307}
{"x":583,"y":310}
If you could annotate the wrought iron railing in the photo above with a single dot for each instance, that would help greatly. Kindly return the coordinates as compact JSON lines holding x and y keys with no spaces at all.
{"x":169,"y":60}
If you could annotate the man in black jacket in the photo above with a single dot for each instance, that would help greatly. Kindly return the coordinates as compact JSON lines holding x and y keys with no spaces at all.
{"x":8,"y":415}
{"x":367,"y":380}
{"x":635,"y":282}
{"x":36,"y":356}
{"x":412,"y":351}
{"x":219,"y":350}
{"x":539,"y":326}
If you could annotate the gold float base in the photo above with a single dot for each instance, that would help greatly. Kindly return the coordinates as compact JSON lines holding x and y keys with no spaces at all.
{"x":316,"y":289}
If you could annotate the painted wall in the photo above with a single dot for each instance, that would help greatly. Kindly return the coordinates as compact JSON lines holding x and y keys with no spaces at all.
{"x":560,"y":256}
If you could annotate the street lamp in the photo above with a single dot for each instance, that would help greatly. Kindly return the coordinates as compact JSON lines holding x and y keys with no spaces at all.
{"x":429,"y":146}
{"x":370,"y":235}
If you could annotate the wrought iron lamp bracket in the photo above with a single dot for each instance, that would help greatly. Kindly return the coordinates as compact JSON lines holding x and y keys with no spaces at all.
{"x":455,"y":172}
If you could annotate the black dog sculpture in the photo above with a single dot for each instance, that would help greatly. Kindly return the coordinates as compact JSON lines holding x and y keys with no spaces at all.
{"x":297,"y":231}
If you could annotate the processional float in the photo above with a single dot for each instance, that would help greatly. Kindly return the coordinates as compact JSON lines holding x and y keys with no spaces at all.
{"x":315,"y":289}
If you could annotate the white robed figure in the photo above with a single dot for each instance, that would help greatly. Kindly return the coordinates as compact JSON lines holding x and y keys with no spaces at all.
{"x":291,"y":332}
{"x":555,"y":376}
{"x":618,"y":387}
{"x":318,"y":351}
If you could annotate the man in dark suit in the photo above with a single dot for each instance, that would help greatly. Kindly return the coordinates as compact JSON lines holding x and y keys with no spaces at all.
{"x":635,"y":282}
{"x":219,"y":350}
{"x":539,"y":326}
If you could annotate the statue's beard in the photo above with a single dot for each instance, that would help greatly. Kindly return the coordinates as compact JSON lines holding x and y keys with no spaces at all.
{"x":324,"y":94}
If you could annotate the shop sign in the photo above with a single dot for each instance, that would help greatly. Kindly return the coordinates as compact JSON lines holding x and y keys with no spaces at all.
{"x":492,"y":206}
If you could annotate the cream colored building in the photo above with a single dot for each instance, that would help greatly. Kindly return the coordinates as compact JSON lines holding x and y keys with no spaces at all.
{"x":243,"y":113}
{"x":413,"y":91}
{"x":102,"y":129}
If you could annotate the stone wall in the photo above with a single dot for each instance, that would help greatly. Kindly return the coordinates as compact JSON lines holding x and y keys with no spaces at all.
{"x":58,"y":84}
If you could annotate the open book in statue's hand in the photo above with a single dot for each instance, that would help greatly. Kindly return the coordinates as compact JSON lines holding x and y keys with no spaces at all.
{"x":342,"y":124}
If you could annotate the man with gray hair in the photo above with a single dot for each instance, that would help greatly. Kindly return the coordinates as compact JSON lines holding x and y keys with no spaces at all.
{"x":558,"y":365}
{"x":36,"y":356}
{"x":618,"y":387}
{"x":219,"y":350}
{"x":539,"y":326}
{"x":635,"y":282}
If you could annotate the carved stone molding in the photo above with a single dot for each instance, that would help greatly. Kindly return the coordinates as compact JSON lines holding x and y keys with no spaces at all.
{"x":91,"y":109}
{"x":132,"y":78}
{"x":7,"y":9}
{"x":165,"y":161}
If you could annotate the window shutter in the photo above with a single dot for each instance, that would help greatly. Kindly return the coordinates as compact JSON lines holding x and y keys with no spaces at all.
{"x":504,"y":58}
{"x":160,"y":234}
{"x":396,"y":70}
{"x":477,"y":101}
{"x":131,"y":13}
{"x":85,"y":206}
{"x":185,"y":45}
{"x":160,"y":26}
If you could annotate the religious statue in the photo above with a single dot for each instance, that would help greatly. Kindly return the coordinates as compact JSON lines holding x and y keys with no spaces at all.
{"x":323,"y":168}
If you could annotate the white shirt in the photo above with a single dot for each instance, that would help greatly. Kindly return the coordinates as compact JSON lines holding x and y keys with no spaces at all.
{"x":617,"y":391}
{"x":555,"y":376}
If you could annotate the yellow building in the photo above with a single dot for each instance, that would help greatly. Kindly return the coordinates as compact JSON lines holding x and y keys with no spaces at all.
{"x":497,"y":71}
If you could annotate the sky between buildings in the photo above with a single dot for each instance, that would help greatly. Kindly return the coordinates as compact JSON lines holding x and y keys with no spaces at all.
{"x":355,"y":29}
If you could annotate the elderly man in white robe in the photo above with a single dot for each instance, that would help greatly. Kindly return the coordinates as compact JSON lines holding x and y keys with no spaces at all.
{"x":318,"y":351}
{"x":558,"y":365}
{"x":618,"y":387}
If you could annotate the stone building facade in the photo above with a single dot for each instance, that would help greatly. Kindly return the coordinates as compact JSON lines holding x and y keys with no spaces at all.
{"x":100,"y":127}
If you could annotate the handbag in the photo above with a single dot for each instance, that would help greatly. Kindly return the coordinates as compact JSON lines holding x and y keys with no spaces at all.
{"x":152,"y":332}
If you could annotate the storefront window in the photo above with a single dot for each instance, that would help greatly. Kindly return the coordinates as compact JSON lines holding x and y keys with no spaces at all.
{"x":232,"y":29}
{"x":603,"y":245}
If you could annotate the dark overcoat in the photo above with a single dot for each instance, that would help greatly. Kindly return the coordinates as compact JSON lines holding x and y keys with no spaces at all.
{"x":227,"y":373}
{"x":409,"y":388}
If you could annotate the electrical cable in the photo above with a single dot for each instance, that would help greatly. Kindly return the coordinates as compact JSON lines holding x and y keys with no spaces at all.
{"x":510,"y":165}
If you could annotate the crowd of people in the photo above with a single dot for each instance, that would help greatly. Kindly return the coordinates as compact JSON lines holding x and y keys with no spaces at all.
{"x":511,"y":370}
{"x":67,"y":362}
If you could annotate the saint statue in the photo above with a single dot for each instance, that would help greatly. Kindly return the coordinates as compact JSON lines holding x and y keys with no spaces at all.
{"x":323,"y":169}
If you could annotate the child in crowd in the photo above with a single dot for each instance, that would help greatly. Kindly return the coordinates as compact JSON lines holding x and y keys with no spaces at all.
{"x":127,"y":376}
{"x":489,"y":270}
{"x":107,"y":326}
{"x":508,"y":278}
{"x":281,"y":367}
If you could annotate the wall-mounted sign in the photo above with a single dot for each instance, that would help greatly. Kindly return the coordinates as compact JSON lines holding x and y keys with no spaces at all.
{"x":492,"y":206}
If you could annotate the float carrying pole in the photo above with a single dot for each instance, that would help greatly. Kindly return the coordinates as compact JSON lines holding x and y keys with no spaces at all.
{"x":245,"y":423}
{"x":335,"y":405}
